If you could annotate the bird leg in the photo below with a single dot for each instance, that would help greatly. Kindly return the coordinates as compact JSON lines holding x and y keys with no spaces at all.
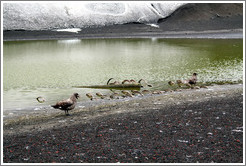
{"x":189,"y":85}
{"x":66,"y":112}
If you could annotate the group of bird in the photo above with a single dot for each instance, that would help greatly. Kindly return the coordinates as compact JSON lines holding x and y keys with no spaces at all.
{"x":125,"y":93}
{"x":70,"y":103}
{"x":189,"y":82}
{"x":129,"y":82}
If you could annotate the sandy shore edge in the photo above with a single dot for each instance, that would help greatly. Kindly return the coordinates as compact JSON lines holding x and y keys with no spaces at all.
{"x":53,"y":35}
{"x":191,"y":126}
{"x":88,"y":114}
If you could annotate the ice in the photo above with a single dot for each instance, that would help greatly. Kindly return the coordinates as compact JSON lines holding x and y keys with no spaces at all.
{"x":153,"y":25}
{"x":70,"y":15}
{"x":72,"y":30}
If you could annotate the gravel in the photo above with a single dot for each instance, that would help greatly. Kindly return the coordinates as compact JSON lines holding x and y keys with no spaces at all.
{"x":190,"y":126}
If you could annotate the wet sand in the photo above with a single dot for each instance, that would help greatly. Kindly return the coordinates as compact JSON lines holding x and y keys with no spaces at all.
{"x":198,"y":125}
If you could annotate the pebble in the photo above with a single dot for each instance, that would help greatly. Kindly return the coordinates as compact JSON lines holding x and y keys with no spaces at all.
{"x":183,"y":141}
{"x":62,"y":121}
{"x":27,"y":147}
{"x":235,"y":130}
{"x":140,"y":134}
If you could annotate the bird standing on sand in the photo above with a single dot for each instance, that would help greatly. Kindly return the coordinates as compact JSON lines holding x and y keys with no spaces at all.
{"x":127,"y":93}
{"x":100,"y":95}
{"x":145,"y":91}
{"x":157,"y":92}
{"x":68,"y":104}
{"x":189,"y":82}
{"x":89,"y":95}
{"x":179,"y":82}
{"x":193,"y":79}
{"x":114,"y":95}
{"x":134,"y":92}
{"x":171,"y":83}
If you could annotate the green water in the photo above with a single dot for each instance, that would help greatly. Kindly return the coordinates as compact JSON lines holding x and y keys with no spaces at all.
{"x":51,"y":68}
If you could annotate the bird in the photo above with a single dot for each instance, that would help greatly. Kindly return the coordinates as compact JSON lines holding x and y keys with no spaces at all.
{"x":168,"y":90}
{"x":109,"y":80}
{"x":136,"y":92}
{"x":203,"y":86}
{"x":195,"y":87}
{"x":68,"y":104}
{"x":124,"y":81}
{"x":157,"y":92}
{"x":188,"y":82}
{"x":183,"y":82}
{"x":100,"y":95}
{"x":179,"y":82}
{"x":90,"y":96}
{"x":114,"y":94}
{"x":146,"y":91}
{"x":40,"y":99}
{"x":112,"y":83}
{"x":193,"y":79}
{"x":171,"y":83}
{"x":144,"y":82}
{"x":133,"y":81}
{"x":127,"y":93}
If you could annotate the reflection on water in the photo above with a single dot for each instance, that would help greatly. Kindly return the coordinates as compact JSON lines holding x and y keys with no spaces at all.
{"x":51,"y":68}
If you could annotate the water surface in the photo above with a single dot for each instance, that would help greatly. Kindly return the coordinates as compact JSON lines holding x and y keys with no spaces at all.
{"x":51,"y":68}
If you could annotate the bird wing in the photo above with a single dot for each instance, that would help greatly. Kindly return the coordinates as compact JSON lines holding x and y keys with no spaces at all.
{"x":65,"y":103}
{"x":185,"y":81}
{"x":193,"y":80}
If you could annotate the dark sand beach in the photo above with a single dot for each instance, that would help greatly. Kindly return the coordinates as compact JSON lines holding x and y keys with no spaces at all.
{"x":198,"y":125}
{"x":191,"y":126}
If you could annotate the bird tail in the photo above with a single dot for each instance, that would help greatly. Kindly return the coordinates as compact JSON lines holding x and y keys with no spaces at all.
{"x":55,"y":106}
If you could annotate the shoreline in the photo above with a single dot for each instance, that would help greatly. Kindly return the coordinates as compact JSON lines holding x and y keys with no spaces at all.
{"x":198,"y":125}
{"x":94,"y":109}
{"x":189,"y":126}
{"x":54,"y":35}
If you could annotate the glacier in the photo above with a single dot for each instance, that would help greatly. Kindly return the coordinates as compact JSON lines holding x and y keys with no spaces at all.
{"x":77,"y":14}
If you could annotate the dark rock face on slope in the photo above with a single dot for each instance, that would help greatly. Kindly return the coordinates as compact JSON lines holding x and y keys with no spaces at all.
{"x":197,"y":17}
